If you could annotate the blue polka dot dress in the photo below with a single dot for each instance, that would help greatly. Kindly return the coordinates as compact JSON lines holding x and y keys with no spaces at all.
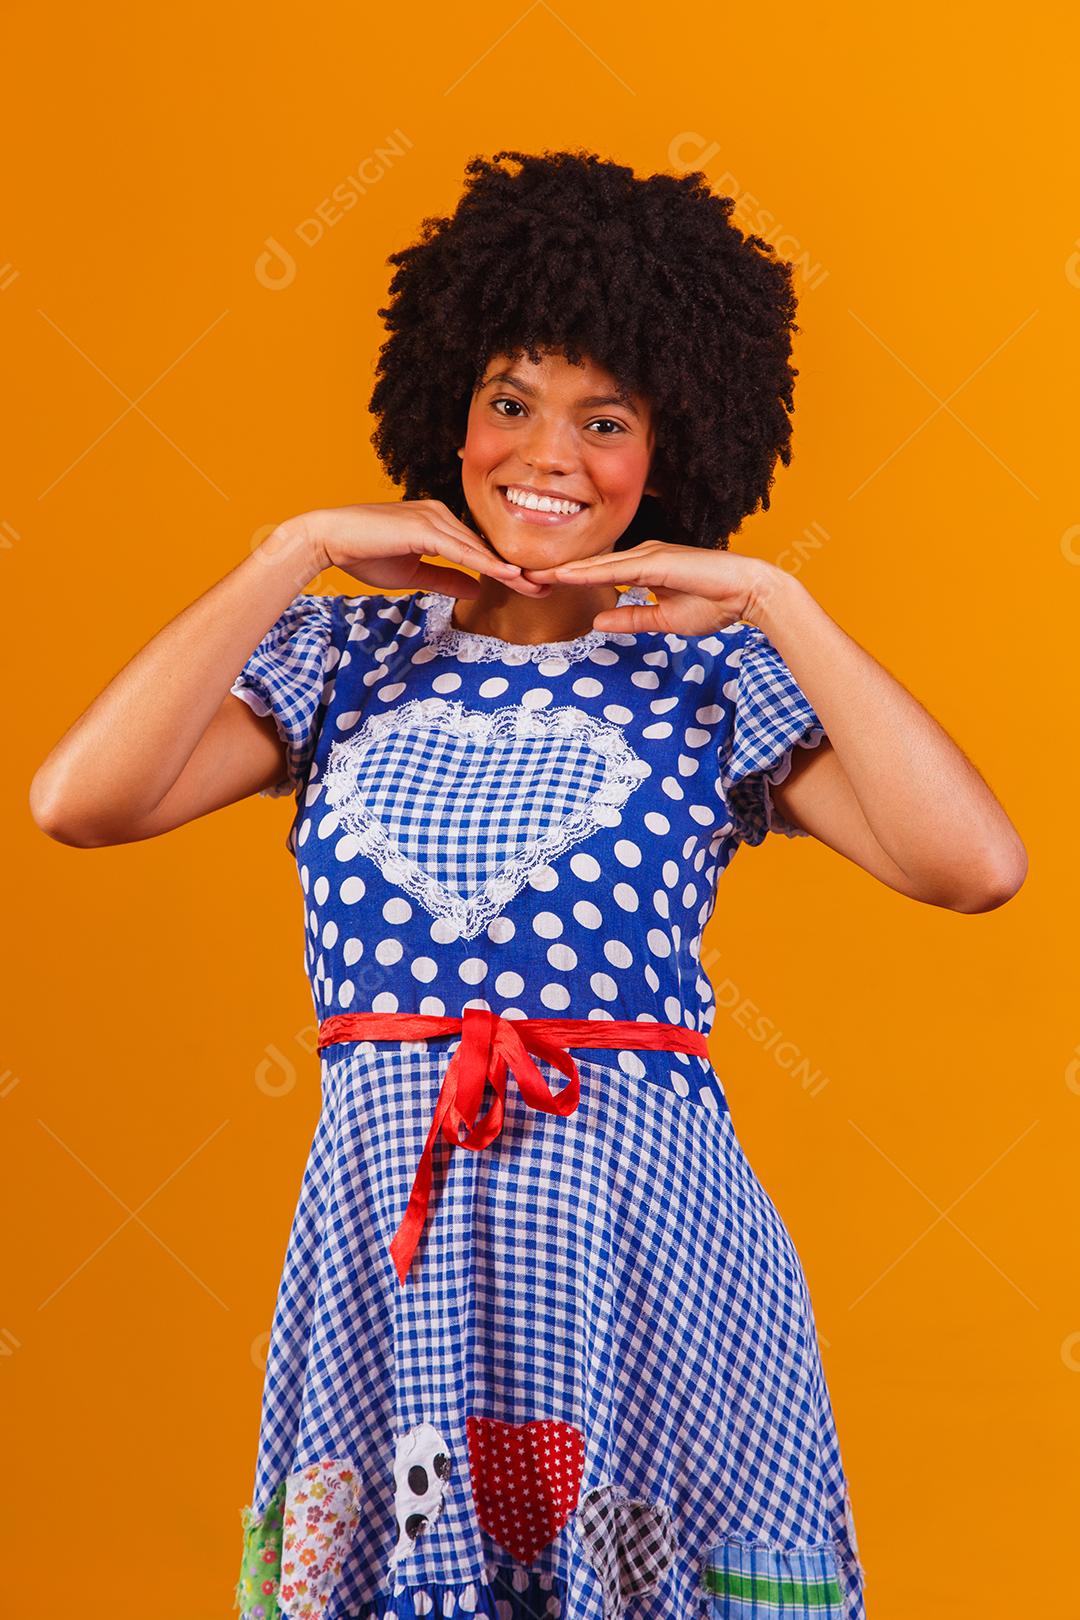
{"x":599,"y":1390}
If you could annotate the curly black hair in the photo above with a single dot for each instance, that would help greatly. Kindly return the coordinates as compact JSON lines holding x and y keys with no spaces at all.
{"x":648,"y":278}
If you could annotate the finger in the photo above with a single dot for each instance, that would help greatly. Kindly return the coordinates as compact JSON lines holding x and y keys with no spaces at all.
{"x":451,"y":525}
{"x":447,"y":581}
{"x":608,"y":568}
{"x":636,"y":618}
{"x":529,"y":587}
{"x":513,"y":582}
{"x":458,"y":534}
{"x":472,"y":555}
{"x":510,"y":574}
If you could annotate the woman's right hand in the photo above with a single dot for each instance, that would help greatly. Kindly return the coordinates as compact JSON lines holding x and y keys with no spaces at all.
{"x":383,"y":543}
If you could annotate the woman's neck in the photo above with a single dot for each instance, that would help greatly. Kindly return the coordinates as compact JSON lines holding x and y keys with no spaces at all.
{"x":565,"y":613}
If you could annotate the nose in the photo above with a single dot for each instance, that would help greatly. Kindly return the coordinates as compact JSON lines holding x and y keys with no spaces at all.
{"x":549,"y":446}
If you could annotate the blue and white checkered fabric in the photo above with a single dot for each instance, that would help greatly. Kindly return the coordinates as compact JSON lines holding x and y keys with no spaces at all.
{"x":416,"y":774}
{"x":771,"y":717}
{"x":540,"y":835}
{"x":284,"y":678}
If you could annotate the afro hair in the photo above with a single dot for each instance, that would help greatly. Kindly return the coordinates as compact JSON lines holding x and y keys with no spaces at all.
{"x":649,"y":279}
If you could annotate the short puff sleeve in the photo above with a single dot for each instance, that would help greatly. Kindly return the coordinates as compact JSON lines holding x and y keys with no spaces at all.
{"x":285,"y":677}
{"x":772,"y":717}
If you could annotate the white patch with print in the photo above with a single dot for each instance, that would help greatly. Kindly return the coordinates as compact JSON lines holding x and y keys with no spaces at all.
{"x":457,"y":806}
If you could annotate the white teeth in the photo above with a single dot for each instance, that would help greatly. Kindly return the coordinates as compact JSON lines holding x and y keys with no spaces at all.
{"x":542,"y":503}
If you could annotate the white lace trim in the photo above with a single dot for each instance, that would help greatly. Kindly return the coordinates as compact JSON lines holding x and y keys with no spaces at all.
{"x":472,"y":647}
{"x":344,"y":778}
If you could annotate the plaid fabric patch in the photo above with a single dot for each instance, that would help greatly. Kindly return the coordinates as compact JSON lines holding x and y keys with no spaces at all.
{"x":630,"y":1542}
{"x":749,"y":1583}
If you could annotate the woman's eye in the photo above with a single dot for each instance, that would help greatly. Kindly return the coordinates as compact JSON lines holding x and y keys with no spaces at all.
{"x":609,"y":420}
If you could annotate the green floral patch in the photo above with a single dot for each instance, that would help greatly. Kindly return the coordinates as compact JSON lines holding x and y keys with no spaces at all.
{"x":260,"y":1569}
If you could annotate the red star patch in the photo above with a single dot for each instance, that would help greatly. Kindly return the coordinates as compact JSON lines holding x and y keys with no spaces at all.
{"x":525,"y":1479}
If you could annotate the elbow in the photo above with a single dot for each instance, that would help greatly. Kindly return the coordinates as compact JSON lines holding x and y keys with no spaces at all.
{"x":1001,"y":882}
{"x":42,"y":807}
{"x":49,"y":816}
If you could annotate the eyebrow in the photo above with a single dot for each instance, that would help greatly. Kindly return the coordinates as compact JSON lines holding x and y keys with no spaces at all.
{"x":589,"y":399}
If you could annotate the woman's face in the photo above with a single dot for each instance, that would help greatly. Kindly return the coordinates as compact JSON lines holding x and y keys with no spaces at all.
{"x":557,"y":429}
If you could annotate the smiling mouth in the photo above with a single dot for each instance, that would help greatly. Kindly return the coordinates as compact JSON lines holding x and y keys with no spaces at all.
{"x":532,"y":514}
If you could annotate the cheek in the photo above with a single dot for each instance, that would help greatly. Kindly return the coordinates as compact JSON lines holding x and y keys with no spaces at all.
{"x":483,"y":447}
{"x":620,"y":478}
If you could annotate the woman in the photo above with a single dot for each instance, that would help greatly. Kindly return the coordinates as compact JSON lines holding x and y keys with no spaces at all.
{"x":577,"y":1365}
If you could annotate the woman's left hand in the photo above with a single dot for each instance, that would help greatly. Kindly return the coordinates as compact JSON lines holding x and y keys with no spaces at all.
{"x":698,"y":592}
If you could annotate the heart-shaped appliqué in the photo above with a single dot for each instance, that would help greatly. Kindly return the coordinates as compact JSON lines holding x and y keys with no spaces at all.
{"x":457,"y":806}
{"x":525,"y":1479}
{"x":630,"y":1542}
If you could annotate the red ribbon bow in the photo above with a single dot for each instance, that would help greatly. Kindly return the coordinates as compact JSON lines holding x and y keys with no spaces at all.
{"x":491,"y":1045}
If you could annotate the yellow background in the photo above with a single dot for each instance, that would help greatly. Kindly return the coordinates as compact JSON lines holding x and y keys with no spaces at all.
{"x":189,"y":319}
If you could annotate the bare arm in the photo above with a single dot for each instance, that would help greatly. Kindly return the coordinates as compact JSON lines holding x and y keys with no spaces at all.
{"x":166,"y":741}
{"x":888,"y":788}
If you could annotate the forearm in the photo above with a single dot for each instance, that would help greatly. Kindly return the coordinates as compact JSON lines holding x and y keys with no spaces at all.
{"x":129,"y":747}
{"x":926,"y":804}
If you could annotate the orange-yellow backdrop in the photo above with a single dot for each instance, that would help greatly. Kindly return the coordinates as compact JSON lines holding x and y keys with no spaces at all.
{"x":195,"y":245}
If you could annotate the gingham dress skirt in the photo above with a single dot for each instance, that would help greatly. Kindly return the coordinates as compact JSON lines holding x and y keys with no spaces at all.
{"x":610,"y":1331}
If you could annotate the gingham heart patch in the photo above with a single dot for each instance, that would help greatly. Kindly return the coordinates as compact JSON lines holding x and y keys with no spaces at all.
{"x":458,"y":806}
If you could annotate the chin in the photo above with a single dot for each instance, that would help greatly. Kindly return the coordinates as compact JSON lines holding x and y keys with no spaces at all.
{"x":506,"y":553}
{"x":533,"y":556}
{"x":517,"y":548}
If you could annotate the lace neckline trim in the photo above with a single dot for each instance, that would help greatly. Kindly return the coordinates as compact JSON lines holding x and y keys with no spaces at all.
{"x":446,"y":637}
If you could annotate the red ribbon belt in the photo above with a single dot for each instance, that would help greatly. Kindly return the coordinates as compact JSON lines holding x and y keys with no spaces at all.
{"x":489,"y":1046}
